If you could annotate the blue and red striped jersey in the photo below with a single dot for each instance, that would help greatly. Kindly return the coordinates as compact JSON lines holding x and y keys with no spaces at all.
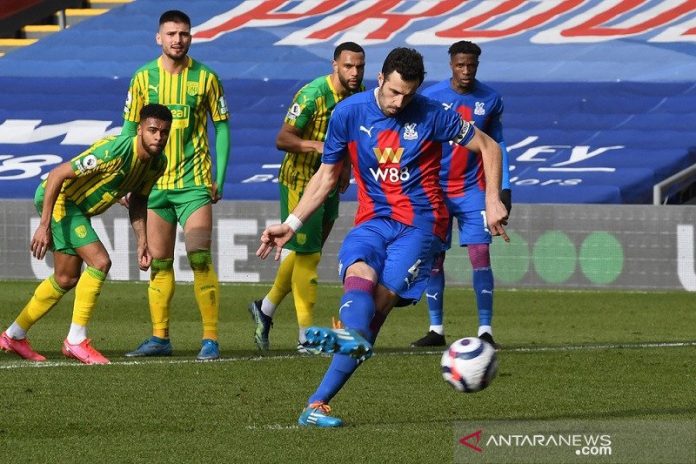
{"x":396,"y":160}
{"x":462,"y":170}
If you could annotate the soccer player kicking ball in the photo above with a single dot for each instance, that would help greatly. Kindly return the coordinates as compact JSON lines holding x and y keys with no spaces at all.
{"x":75,"y":191}
{"x":394,"y":140}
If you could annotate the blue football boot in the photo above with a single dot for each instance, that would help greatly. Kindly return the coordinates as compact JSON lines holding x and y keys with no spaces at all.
{"x":345,"y":341}
{"x":317,"y":415}
{"x":153,"y":346}
{"x":210,"y":350}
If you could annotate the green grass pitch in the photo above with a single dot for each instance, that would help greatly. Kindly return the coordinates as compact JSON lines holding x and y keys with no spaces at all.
{"x":575,"y":355}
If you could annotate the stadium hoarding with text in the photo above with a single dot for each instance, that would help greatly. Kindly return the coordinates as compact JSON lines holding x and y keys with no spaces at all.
{"x":552,"y":246}
{"x":592,"y":88}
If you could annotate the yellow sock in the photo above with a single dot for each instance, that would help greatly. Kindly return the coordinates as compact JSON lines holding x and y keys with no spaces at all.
{"x":86,"y":293}
{"x":45,"y":297}
{"x":159,"y":295}
{"x":206,"y":290}
{"x":304,"y":287}
{"x":283,"y":281}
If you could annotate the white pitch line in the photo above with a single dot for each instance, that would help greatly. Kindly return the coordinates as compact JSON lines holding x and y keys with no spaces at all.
{"x":607,"y":346}
{"x":18,"y":364}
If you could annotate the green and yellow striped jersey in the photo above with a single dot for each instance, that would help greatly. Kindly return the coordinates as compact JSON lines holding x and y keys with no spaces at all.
{"x":310,"y":112}
{"x":190,"y":96}
{"x":106,"y":171}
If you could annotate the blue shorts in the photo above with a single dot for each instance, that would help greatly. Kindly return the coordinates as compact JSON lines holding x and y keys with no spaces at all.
{"x":401,"y":255}
{"x":472,"y":224}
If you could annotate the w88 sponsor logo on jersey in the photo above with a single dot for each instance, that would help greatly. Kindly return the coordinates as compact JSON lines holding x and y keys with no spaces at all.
{"x":389,"y":169}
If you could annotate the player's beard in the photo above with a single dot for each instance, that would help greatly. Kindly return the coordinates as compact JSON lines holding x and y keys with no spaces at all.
{"x":177,"y":55}
{"x":345,"y":83}
{"x":465,"y":84}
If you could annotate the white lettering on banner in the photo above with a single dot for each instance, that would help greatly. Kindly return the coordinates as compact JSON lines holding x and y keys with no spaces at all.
{"x":686,"y":269}
{"x":77,"y":132}
{"x":582,"y":152}
{"x":479,"y":20}
{"x":524,"y":142}
{"x":530,"y":154}
{"x":25,"y":167}
{"x":578,"y":154}
{"x":259,"y":178}
{"x":264,"y":177}
{"x":229,"y":252}
{"x":562,"y":182}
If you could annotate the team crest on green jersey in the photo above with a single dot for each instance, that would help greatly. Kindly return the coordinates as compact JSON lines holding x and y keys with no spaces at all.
{"x":81,"y":231}
{"x":192,"y":88}
{"x":301,"y":239}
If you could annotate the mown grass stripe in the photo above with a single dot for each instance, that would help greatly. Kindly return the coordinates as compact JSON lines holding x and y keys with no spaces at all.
{"x":276,"y":357}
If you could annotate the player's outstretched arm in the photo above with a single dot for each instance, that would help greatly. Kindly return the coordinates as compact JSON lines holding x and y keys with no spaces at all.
{"x":320,"y":185}
{"x":496,"y":213}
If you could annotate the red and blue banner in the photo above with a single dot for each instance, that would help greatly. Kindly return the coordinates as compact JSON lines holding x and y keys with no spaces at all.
{"x":599,"y":95}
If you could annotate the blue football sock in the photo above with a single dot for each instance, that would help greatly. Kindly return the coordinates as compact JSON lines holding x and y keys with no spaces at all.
{"x":356,"y":311}
{"x":483,"y":288}
{"x":341,"y":368}
{"x":434,"y":294}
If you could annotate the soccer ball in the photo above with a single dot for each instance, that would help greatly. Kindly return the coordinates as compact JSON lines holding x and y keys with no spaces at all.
{"x":469,"y":364}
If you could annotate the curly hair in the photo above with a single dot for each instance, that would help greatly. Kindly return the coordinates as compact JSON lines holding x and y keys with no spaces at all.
{"x":465,"y":47}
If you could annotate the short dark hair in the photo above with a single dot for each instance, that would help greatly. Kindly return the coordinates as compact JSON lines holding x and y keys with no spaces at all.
{"x":465,"y":47}
{"x":157,"y":111}
{"x":175,"y":16}
{"x":406,"y":61}
{"x":347,"y":46}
